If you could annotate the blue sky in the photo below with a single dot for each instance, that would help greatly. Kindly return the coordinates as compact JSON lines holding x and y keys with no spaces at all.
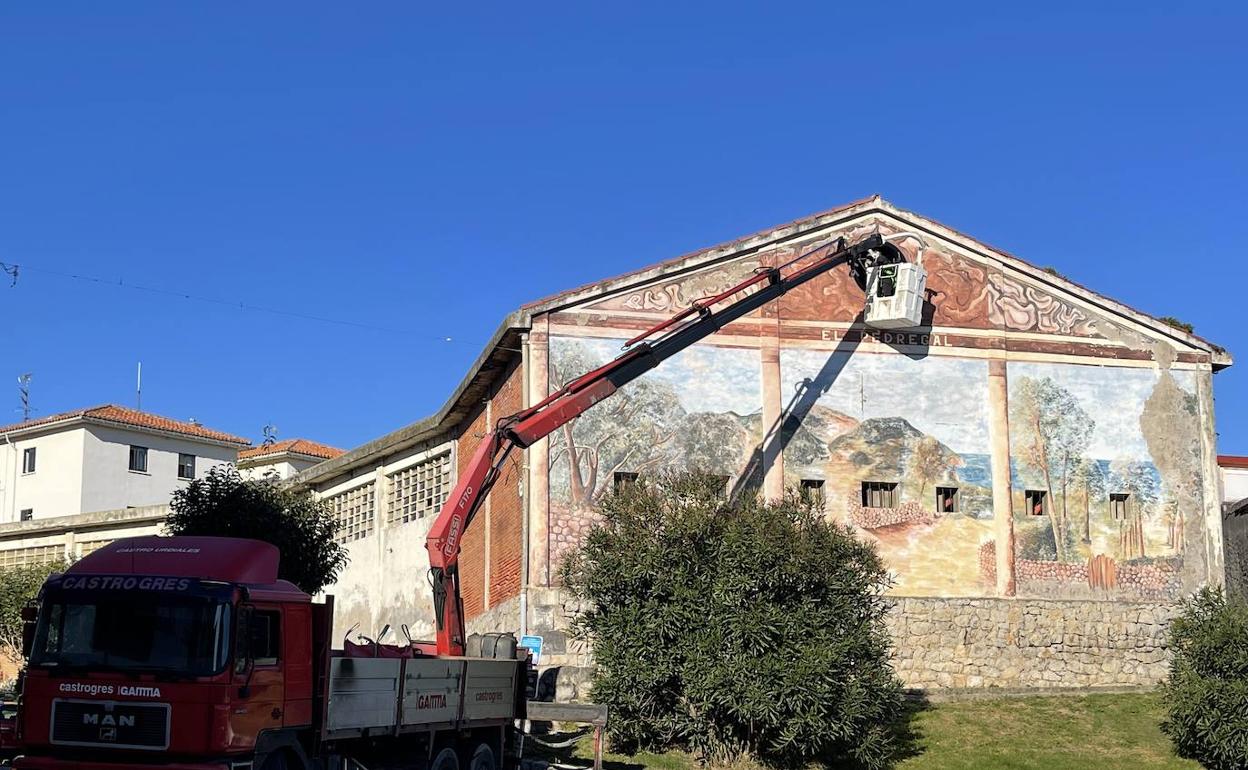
{"x":421,"y":171}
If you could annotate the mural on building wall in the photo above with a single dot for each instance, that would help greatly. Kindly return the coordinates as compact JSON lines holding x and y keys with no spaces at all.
{"x":1106,"y":480}
{"x":963,"y":292}
{"x":916,"y":431}
{"x":701,"y":409}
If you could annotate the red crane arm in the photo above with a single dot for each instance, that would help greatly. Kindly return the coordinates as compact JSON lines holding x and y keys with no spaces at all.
{"x":643,"y":352}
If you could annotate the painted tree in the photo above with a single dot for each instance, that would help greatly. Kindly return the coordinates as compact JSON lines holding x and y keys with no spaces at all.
{"x":1170,"y":422}
{"x":629,"y":431}
{"x":931,"y":462}
{"x":1090,"y":483}
{"x":711,"y":442}
{"x":1139,"y":479}
{"x":1054,"y":431}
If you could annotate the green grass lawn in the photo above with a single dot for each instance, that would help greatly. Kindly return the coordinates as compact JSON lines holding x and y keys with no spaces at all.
{"x":1053,"y":733}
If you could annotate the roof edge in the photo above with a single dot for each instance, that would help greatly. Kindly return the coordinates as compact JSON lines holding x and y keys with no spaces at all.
{"x":420,"y":430}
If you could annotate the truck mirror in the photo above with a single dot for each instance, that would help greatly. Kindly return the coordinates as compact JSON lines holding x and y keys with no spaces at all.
{"x":30,"y":619}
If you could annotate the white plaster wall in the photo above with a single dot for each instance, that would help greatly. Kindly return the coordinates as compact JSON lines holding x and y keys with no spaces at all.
{"x":55,"y":488}
{"x":108,"y":483}
{"x":1234,"y":484}
{"x":283,"y":469}
{"x":386,"y":580}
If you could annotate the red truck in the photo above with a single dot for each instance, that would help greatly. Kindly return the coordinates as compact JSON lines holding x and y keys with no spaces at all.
{"x":190,"y":653}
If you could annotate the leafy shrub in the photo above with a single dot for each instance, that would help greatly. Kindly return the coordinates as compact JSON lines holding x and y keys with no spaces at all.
{"x":18,"y":586}
{"x":1207,"y":693}
{"x":224,"y":504}
{"x":736,"y":629}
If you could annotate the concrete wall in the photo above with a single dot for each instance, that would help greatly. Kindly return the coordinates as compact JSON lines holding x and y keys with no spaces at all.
{"x":55,"y":488}
{"x":107,"y":482}
{"x":385,"y":581}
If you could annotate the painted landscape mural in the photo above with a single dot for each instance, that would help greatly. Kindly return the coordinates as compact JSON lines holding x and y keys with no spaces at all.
{"x":1105,"y":476}
{"x":891,"y":420}
{"x":1106,"y":479}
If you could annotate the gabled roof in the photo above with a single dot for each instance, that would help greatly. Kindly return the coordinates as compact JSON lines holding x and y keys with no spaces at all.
{"x":763,"y":239}
{"x":292,"y":446}
{"x":121,"y":416}
{"x":503,"y":347}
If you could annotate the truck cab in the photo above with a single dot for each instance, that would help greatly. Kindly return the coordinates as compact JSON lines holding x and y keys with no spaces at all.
{"x":185,"y":652}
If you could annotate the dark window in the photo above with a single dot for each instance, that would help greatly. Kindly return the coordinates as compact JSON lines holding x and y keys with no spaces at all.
{"x":879,"y":494}
{"x":811,"y":490}
{"x":28,"y":514}
{"x":138,"y":459}
{"x":262,"y":636}
{"x":947,"y":499}
{"x":186,"y":466}
{"x":1118,"y":504}
{"x":28,"y":460}
{"x":721,"y":484}
{"x":1036,"y":502}
{"x":622,"y":480}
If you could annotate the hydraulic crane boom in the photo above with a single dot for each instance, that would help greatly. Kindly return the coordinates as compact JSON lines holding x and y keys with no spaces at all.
{"x":643,"y":353}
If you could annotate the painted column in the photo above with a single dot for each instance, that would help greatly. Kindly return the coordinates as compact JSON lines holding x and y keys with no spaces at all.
{"x":537,"y":501}
{"x":1002,"y":496}
{"x":1215,"y":573}
{"x":769,"y":352}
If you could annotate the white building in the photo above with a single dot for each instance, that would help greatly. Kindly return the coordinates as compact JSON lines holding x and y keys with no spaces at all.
{"x":1234,"y":473}
{"x":102,"y":458}
{"x":283,"y":459}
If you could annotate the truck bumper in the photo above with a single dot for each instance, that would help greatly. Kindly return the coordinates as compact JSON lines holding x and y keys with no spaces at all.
{"x":52,"y":763}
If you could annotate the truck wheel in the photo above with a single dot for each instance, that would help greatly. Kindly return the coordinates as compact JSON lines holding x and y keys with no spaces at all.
{"x":483,"y":758}
{"x":445,"y":760}
{"x":276,"y":761}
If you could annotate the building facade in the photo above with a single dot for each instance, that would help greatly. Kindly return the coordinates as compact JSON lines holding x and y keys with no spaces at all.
{"x":102,"y":458}
{"x":283,"y":459}
{"x":1035,"y":464}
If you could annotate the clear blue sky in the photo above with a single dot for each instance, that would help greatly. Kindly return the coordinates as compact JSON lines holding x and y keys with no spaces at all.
{"x":425,"y":171}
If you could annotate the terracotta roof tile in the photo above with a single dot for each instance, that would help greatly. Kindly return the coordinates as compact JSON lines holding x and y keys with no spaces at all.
{"x":299,"y":446}
{"x":121,"y":415}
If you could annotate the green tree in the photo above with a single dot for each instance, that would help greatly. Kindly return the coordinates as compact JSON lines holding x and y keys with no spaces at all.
{"x":224,"y":504}
{"x":18,"y":587}
{"x":1207,"y":718}
{"x":736,"y":628}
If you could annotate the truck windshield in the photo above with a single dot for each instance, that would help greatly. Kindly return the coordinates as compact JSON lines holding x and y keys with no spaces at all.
{"x":182,"y":635}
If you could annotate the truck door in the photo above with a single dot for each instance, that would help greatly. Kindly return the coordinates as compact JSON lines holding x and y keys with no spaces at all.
{"x":258,"y":674}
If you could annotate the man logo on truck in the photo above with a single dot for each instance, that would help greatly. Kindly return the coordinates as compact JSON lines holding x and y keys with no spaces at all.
{"x":108,"y":720}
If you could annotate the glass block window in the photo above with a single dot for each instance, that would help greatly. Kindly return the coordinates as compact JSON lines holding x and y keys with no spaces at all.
{"x":420,"y":490}
{"x":25,"y":557}
{"x":91,"y":546}
{"x":355,"y":511}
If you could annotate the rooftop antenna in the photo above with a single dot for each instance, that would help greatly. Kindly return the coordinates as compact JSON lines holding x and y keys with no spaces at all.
{"x":23,"y":388}
{"x":270,"y":435}
{"x":138,"y":388}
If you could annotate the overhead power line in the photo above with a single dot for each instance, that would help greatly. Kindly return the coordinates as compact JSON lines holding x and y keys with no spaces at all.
{"x":12,"y":270}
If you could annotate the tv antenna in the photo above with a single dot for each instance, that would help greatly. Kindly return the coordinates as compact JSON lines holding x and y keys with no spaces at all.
{"x":23,"y":389}
{"x":270,"y":435}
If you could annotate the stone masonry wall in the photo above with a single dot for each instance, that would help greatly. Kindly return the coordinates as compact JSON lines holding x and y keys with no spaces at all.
{"x":948,"y":643}
{"x":943,"y":643}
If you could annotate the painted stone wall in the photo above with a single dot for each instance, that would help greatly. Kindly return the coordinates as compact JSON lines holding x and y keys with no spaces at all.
{"x":1017,"y":383}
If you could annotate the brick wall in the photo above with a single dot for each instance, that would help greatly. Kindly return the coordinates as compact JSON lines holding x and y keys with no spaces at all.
{"x":505,"y":508}
{"x":472,"y":544}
